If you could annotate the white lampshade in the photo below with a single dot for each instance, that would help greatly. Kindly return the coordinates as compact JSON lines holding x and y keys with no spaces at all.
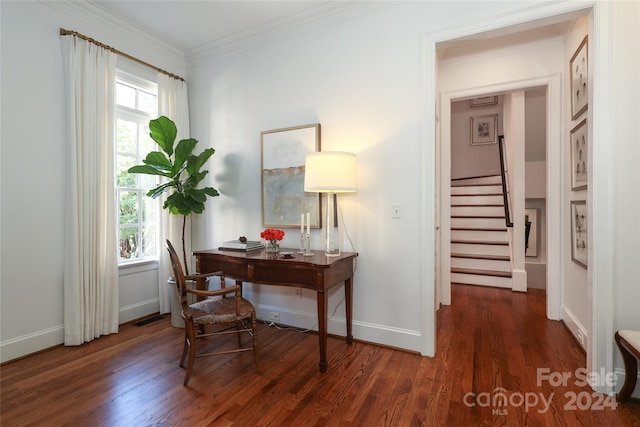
{"x":331,"y":172}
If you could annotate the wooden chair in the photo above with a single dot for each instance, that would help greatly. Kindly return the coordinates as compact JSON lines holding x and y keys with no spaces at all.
{"x":214,"y":310}
{"x":629,"y":344}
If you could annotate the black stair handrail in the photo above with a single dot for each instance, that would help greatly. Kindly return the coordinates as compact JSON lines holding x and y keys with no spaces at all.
{"x":505,"y":183}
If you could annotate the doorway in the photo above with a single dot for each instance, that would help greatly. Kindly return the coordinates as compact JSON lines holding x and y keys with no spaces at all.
{"x":437,"y":121}
{"x":554,"y":174}
{"x":489,"y":247}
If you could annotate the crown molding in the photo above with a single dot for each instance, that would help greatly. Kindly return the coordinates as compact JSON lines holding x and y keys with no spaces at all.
{"x":93,"y":15}
{"x":313,"y":19}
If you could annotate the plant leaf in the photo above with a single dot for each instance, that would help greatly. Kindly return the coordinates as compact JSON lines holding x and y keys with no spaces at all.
{"x":158,"y":160}
{"x":163,"y":131}
{"x":197,"y":195}
{"x":155,"y":192}
{"x":148,"y":170}
{"x":183,"y":152}
{"x":210,"y":191}
{"x":196,"y":162}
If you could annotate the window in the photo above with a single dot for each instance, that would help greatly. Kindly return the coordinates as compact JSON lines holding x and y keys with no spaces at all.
{"x":138,"y":215}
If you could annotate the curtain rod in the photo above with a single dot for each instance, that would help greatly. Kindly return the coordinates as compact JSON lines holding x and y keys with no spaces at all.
{"x":64,"y":32}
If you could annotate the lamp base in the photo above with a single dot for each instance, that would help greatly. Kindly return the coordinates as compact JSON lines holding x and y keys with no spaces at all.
{"x":335,"y":252}
{"x":332,"y":245}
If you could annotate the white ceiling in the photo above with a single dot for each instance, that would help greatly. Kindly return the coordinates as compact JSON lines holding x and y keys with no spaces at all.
{"x":187,"y":25}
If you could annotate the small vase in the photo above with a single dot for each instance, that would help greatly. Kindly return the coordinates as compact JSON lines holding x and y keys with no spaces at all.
{"x":271,"y":245}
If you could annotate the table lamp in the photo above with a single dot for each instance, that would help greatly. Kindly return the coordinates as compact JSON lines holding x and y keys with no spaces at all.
{"x":331,"y":172}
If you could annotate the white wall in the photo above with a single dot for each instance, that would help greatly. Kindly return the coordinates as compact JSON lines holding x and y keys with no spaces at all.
{"x":536,"y":182}
{"x":361,"y":79}
{"x":468,"y":160}
{"x":33,"y":165}
{"x":576,"y":307}
{"x":627,"y":180}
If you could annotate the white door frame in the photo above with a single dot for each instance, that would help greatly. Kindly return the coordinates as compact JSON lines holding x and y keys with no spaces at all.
{"x":600,"y":274}
{"x":554,"y":148}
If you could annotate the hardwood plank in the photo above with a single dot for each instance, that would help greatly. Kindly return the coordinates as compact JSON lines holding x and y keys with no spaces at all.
{"x":489,"y":339}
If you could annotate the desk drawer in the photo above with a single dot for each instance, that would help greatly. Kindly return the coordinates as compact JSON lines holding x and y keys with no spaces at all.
{"x":233,"y":269}
{"x":285,"y":275}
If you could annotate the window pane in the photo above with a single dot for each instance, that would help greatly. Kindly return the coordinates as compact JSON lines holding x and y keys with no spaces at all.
{"x":125,"y":95}
{"x":149,"y":210}
{"x":147,"y":144}
{"x":126,"y":136}
{"x":128,"y":207}
{"x":147,"y":182}
{"x":138,"y":215}
{"x":147,"y":102}
{"x":124,"y":178}
{"x":128,"y":242}
{"x":148,"y":241}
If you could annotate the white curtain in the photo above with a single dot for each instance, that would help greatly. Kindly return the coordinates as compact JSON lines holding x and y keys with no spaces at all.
{"x":173,"y":102}
{"x":90,"y":266}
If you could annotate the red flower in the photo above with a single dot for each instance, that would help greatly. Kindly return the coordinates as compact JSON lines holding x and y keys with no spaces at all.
{"x":272,"y":234}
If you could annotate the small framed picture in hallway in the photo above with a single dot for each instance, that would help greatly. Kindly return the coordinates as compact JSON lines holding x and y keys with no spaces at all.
{"x":483,"y":129}
{"x":579,"y":145}
{"x":579,"y":72}
{"x":579,"y":222}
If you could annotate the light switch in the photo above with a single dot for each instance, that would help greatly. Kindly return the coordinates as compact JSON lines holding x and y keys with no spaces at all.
{"x":396,"y":211}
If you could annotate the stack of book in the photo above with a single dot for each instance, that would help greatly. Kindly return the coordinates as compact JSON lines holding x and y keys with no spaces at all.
{"x":243,"y":246}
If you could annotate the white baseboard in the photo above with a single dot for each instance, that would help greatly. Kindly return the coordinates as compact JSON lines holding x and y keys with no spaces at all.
{"x":21,"y":346}
{"x":370,"y":332}
{"x":138,"y":310}
{"x":24,"y":345}
{"x":536,"y":275}
{"x":519,"y":280}
{"x":576,"y":328}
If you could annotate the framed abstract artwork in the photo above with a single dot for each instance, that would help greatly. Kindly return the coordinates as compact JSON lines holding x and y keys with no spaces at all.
{"x":283,"y":153}
{"x":579,"y":72}
{"x":579,"y":223}
{"x":579,"y":140}
{"x":483,"y":129}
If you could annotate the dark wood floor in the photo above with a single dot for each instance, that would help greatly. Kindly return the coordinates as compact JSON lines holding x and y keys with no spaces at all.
{"x":490,"y":344}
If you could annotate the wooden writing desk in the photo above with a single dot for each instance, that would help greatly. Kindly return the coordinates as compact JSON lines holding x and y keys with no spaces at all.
{"x":318,"y":272}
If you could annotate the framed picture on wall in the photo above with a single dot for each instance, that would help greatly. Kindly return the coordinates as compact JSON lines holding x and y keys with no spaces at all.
{"x":484,"y":101}
{"x":483,"y":129}
{"x":283,"y":165}
{"x":579,"y":140}
{"x":579,"y":72}
{"x":531,"y":239}
{"x":579,"y":222}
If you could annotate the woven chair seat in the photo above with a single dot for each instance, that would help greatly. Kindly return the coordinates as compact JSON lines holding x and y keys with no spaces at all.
{"x":218,"y":306}
{"x":218,"y":310}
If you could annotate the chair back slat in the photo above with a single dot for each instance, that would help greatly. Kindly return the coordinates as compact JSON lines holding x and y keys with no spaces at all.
{"x":178,"y":275}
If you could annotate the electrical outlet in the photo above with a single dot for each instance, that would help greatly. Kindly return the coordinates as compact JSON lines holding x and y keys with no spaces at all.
{"x":274,"y":316}
{"x":298,"y":292}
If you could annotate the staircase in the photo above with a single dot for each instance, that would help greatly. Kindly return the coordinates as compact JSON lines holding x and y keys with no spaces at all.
{"x":479,"y":238}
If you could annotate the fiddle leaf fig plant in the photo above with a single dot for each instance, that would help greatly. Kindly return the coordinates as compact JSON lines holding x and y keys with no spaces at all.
{"x":182,"y":170}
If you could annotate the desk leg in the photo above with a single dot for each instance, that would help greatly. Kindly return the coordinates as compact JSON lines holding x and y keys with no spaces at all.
{"x":322,"y":329}
{"x":348,"y":302}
